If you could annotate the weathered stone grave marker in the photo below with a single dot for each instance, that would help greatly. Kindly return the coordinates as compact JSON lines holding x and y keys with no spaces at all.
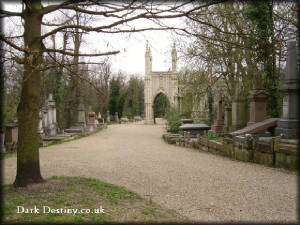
{"x":288,"y":125}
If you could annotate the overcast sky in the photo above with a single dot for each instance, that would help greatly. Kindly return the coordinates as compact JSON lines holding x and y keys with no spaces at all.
{"x":132,"y":46}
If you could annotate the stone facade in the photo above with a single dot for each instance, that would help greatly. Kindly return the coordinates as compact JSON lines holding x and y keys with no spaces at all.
{"x":159,"y":82}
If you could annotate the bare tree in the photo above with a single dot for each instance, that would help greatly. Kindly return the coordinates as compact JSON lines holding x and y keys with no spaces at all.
{"x":33,"y":12}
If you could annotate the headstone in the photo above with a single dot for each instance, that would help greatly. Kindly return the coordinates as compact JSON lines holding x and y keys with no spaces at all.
{"x":99,"y":118}
{"x":40,"y":127}
{"x":124,"y":119}
{"x":239,"y":111}
{"x":2,"y":138}
{"x":51,"y":116}
{"x":92,"y":118}
{"x":108,"y":117}
{"x":188,"y":136}
{"x":81,"y":115}
{"x":11,"y":136}
{"x":288,"y":125}
{"x":258,"y":106}
{"x":45,"y":118}
{"x":217,"y":128}
{"x":257,"y":128}
{"x":117,"y":117}
{"x":227,"y":118}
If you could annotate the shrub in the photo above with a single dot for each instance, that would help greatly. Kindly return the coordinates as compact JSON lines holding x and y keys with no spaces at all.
{"x":173,"y":120}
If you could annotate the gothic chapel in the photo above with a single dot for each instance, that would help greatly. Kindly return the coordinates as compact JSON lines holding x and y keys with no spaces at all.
{"x":159,"y":82}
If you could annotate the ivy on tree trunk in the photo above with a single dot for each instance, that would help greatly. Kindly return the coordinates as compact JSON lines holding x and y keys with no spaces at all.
{"x":261,"y":13}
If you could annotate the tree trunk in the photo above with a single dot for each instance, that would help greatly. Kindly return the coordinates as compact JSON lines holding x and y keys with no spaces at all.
{"x":28,"y":164}
{"x":1,"y":105}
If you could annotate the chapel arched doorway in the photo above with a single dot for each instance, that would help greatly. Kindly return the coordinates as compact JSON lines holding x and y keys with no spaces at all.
{"x":160,"y":106}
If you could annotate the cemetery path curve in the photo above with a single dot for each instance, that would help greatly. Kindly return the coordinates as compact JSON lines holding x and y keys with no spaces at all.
{"x":199,"y":185}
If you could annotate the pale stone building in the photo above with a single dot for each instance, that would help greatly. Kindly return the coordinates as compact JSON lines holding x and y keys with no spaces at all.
{"x":159,"y":82}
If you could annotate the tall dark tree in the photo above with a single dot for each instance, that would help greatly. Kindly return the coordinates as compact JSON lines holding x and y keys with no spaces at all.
{"x":261,"y":14}
{"x":114,"y":95}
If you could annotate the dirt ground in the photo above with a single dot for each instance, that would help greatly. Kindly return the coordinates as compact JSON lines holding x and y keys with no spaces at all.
{"x":199,"y":185}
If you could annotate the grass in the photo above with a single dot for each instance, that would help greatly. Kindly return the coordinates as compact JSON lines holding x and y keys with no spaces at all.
{"x":7,"y":155}
{"x":213,"y":137}
{"x":55,"y":142}
{"x":66,"y":193}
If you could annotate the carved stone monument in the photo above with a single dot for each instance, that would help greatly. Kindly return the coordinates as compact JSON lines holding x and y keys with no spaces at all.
{"x":288,"y":125}
{"x":217,"y":128}
{"x":51,"y":116}
{"x":227,"y":119}
{"x":108,"y":117}
{"x":239,"y":111}
{"x":81,"y":115}
{"x":40,"y":127}
{"x":117,"y":117}
{"x":258,"y":106}
{"x":92,"y":118}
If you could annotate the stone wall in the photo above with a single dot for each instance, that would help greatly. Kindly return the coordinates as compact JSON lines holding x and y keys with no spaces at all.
{"x":270,"y":151}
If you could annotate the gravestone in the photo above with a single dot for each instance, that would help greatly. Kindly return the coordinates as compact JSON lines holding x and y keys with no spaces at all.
{"x":217,"y":128}
{"x":40,"y":127}
{"x":45,"y":119}
{"x":257,"y":128}
{"x":11,"y":136}
{"x":194,"y":128}
{"x":239,"y":111}
{"x":258,"y":106}
{"x":92,"y":118}
{"x":288,"y":125}
{"x":117,"y":117}
{"x":81,"y":115}
{"x":99,"y":118}
{"x":51,"y":116}
{"x":108,"y":117}
{"x":227,"y":118}
{"x":2,"y":138}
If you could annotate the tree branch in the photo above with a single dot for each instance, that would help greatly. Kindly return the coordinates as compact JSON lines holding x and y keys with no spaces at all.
{"x":4,"y":13}
{"x":2,"y":38}
{"x":73,"y":54}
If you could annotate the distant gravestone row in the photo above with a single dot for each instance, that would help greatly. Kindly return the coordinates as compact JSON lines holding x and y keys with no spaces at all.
{"x":48,"y":128}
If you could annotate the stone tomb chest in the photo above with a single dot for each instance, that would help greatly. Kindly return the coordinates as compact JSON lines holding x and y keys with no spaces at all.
{"x":185,"y":121}
{"x":194,"y":128}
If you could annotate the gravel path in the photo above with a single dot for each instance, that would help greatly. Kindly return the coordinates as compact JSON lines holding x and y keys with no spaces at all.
{"x":199,"y":185}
